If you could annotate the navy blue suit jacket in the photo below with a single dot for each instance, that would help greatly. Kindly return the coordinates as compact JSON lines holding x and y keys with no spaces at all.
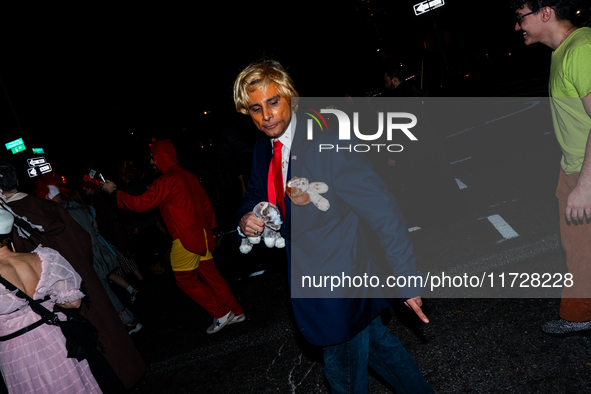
{"x":334,"y":242}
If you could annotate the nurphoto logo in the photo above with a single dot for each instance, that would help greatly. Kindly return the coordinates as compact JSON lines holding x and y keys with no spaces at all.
{"x":393,"y":124}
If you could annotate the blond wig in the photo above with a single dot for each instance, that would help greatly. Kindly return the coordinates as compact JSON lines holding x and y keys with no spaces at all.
{"x":262,"y":74}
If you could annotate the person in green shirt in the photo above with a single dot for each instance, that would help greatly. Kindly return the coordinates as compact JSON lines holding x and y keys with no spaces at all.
{"x":547,"y":22}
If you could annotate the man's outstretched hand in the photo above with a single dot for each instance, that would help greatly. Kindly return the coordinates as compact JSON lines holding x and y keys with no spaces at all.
{"x":415,"y":304}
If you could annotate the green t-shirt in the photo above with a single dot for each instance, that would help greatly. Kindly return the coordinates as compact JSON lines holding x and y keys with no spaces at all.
{"x":570,"y":79}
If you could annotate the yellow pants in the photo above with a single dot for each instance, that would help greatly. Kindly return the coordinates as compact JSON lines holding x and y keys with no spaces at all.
{"x":183,"y":260}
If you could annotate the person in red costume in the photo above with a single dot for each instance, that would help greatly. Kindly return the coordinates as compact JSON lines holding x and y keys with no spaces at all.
{"x":189,"y":218}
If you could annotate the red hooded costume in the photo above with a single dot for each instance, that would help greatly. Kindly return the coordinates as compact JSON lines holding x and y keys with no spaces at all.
{"x":183,"y":203}
{"x":187,"y":212}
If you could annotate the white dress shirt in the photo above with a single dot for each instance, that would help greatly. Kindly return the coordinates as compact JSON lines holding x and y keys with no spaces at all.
{"x":286,"y":139}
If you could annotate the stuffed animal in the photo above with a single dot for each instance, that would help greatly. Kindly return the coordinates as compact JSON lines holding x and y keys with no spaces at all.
{"x":301,"y":192}
{"x":269,"y":214}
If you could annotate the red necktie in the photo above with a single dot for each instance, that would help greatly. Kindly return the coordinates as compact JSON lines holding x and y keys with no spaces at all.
{"x":275,"y":179}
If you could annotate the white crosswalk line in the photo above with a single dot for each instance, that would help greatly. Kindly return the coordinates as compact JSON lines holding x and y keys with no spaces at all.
{"x":502,"y":227}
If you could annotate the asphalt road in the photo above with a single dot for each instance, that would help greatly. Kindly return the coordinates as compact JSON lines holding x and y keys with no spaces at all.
{"x":474,"y":343}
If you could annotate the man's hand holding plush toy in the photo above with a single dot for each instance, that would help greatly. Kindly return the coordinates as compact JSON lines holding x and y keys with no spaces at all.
{"x":269,"y":215}
{"x":302,"y":192}
{"x":250,"y":225}
{"x":264,"y":220}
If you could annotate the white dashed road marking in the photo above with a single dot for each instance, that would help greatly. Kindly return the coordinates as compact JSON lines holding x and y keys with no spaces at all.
{"x":502,"y":227}
{"x":467,"y":158}
{"x":533,"y":104}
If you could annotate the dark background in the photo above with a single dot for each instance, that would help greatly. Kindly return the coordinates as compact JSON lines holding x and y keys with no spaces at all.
{"x":98,"y":82}
{"x":82,"y":78}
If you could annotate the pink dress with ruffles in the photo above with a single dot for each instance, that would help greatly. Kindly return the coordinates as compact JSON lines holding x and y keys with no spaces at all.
{"x":37,"y":362}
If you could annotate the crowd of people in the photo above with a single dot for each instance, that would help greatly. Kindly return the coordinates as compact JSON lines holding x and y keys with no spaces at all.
{"x":65,"y":246}
{"x":104,"y":234}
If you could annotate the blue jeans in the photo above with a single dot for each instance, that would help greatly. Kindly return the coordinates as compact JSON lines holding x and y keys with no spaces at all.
{"x":346,"y":363}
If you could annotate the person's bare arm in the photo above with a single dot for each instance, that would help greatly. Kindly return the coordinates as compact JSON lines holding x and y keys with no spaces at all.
{"x":71,"y":305}
{"x":578,"y":203}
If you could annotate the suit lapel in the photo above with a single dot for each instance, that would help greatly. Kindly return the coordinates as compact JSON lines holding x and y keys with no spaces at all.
{"x":297,"y":150}
{"x":287,"y":218}
{"x":295,"y":165}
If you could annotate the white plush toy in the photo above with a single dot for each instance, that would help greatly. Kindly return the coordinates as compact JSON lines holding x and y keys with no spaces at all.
{"x":302,"y":192}
{"x":268,"y":213}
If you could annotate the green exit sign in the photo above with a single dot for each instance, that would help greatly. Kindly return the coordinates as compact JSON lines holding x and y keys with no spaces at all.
{"x":14,"y":143}
{"x":18,"y":148}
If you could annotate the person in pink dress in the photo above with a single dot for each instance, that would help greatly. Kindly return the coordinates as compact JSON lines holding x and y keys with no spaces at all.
{"x":36,"y":361}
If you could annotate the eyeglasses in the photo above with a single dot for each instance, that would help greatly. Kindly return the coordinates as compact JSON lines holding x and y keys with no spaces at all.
{"x":518,"y":18}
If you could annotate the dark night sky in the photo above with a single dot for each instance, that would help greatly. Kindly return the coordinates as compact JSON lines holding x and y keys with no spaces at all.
{"x":82,"y":78}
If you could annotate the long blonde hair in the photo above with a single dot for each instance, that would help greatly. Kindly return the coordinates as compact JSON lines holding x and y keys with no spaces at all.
{"x":262,"y":74}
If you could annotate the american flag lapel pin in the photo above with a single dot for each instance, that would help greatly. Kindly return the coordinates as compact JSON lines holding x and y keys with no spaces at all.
{"x":294,"y":157}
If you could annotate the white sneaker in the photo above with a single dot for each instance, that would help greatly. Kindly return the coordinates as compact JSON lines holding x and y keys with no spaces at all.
{"x":133,"y":295}
{"x":238,"y":319}
{"x":220,"y":323}
{"x":134,"y":327}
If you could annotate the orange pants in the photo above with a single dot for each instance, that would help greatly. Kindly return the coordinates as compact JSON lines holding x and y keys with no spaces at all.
{"x":575,"y":304}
